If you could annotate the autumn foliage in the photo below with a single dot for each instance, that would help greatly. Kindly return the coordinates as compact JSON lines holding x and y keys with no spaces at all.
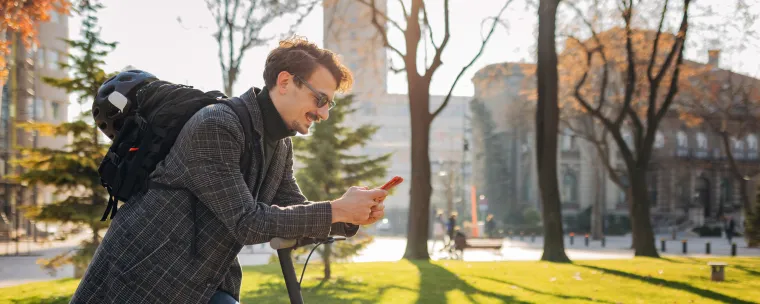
{"x":23,"y":17}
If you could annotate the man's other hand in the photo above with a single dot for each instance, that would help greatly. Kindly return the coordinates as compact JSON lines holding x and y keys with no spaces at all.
{"x":359,"y":206}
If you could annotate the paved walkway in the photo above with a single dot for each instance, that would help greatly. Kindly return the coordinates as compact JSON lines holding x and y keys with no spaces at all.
{"x":23,"y":269}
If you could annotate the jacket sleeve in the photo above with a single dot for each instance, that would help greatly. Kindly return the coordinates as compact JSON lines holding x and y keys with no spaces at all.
{"x":289,"y":194}
{"x":214,"y":140}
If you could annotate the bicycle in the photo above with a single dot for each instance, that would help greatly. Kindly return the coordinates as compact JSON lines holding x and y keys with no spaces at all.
{"x":284,"y":249}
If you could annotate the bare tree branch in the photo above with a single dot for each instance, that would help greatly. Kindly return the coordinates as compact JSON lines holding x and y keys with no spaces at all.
{"x":381,"y":26}
{"x":480,"y":52}
{"x":376,"y":11}
{"x":403,"y":9}
{"x":446,"y":35}
{"x":427,"y":25}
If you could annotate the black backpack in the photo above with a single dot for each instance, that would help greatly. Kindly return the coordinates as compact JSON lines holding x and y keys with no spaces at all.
{"x":148,"y":134}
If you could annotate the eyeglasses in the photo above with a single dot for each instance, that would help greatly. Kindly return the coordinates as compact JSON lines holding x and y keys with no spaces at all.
{"x":322,"y":99}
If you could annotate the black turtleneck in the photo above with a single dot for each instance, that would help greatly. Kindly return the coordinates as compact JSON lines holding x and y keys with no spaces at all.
{"x":274,"y":126}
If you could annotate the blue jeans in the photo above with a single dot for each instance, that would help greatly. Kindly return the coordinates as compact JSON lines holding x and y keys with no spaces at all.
{"x":221,"y":297}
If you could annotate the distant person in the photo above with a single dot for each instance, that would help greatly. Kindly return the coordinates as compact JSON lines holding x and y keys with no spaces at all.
{"x":450,"y":228}
{"x":490,"y":226}
{"x":730,"y":228}
{"x":439,"y":230}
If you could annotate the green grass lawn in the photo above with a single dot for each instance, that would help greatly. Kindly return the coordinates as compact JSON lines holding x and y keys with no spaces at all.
{"x":640,"y":280}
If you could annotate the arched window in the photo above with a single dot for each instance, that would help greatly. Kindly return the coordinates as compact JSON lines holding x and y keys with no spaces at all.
{"x":683,"y":141}
{"x":752,"y":146}
{"x":701,"y":141}
{"x":683,"y":144}
{"x":659,"y":140}
{"x":569,"y":187}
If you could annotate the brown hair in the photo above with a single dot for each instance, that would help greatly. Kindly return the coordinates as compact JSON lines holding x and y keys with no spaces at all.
{"x":298,"y":56}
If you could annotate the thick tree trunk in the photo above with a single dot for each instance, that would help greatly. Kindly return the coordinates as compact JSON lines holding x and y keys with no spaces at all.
{"x":419,"y":205}
{"x":641,"y":223}
{"x":547,"y":120}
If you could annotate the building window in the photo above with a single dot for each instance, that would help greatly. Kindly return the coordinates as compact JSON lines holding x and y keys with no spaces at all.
{"x":39,"y":109}
{"x":40,"y":58}
{"x":628,"y":138}
{"x":751,"y":146}
{"x":55,"y":108}
{"x":568,"y":140}
{"x":701,"y":145}
{"x":52,"y":59}
{"x":683,"y":144}
{"x":54,"y":17}
{"x":659,"y":140}
{"x":569,"y":187}
{"x":738,"y":147}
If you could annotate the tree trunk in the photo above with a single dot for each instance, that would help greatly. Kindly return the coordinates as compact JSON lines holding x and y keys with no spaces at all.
{"x":547,"y":120}
{"x":419,"y":205}
{"x":747,"y":204}
{"x":597,"y":211}
{"x":641,"y":223}
{"x":326,"y":260}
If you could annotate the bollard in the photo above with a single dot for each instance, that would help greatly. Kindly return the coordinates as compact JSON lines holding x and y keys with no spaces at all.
{"x":533,"y":237}
{"x":521,"y":235}
{"x":662,"y":245}
{"x":684,"y":246}
{"x":733,"y":249}
{"x":586,"y":240}
{"x":604,"y":240}
{"x":717,"y":271}
{"x":707,"y":248}
{"x":572,"y":237}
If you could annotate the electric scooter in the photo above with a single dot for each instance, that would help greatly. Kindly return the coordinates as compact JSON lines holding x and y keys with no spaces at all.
{"x":284,"y":249}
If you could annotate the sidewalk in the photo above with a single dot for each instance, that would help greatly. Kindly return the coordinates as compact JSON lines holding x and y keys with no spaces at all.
{"x":23,"y":268}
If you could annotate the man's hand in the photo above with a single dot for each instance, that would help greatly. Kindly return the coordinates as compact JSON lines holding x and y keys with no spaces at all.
{"x":359,"y":206}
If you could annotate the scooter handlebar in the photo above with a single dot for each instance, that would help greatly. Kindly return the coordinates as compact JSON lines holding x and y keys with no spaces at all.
{"x":282,"y":243}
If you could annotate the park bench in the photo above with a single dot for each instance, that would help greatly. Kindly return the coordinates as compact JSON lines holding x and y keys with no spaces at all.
{"x":462,"y":243}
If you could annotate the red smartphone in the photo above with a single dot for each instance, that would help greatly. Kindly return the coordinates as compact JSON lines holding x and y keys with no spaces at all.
{"x":392,"y":183}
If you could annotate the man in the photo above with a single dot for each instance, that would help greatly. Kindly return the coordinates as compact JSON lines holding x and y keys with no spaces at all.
{"x":180,"y":244}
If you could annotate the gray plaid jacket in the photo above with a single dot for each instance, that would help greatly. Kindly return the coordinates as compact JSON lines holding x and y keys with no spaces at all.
{"x":146,"y":256}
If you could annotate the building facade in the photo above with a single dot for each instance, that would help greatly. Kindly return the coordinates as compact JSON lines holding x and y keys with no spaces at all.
{"x":25,"y":97}
{"x":690,"y":180}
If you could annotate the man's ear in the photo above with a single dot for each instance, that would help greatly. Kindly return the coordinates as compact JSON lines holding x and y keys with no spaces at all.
{"x":283,"y":79}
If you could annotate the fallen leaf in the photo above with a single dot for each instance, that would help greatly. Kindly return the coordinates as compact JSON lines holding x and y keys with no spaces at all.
{"x":660,"y":271}
{"x":593,"y":272}
{"x":514,"y":287}
{"x":552,"y":279}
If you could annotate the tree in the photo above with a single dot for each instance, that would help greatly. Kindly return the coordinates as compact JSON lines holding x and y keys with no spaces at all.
{"x":728,"y":104}
{"x":329,"y":169}
{"x":20,"y":20}
{"x":648,"y":92}
{"x":239,"y":26}
{"x":547,"y":121}
{"x":418,"y":86}
{"x":74,"y":169}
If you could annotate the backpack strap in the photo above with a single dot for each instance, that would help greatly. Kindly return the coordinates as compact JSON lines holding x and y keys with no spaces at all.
{"x":238,"y":106}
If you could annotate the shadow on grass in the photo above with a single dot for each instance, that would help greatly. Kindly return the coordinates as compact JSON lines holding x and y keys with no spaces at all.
{"x":559,"y":296}
{"x":670,"y":284}
{"x":435,"y":281}
{"x":748,"y":270}
{"x":334,"y":291}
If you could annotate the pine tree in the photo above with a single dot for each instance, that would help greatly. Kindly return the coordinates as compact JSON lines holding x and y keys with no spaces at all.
{"x":330,"y":169}
{"x":73,"y":170}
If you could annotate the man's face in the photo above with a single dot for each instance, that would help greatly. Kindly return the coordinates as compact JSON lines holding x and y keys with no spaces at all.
{"x":298,"y":106}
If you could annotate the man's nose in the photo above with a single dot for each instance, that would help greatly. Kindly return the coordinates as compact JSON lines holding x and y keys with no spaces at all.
{"x":324,"y":112}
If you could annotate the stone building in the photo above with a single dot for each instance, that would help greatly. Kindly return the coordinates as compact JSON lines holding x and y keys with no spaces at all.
{"x":690,"y":181}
